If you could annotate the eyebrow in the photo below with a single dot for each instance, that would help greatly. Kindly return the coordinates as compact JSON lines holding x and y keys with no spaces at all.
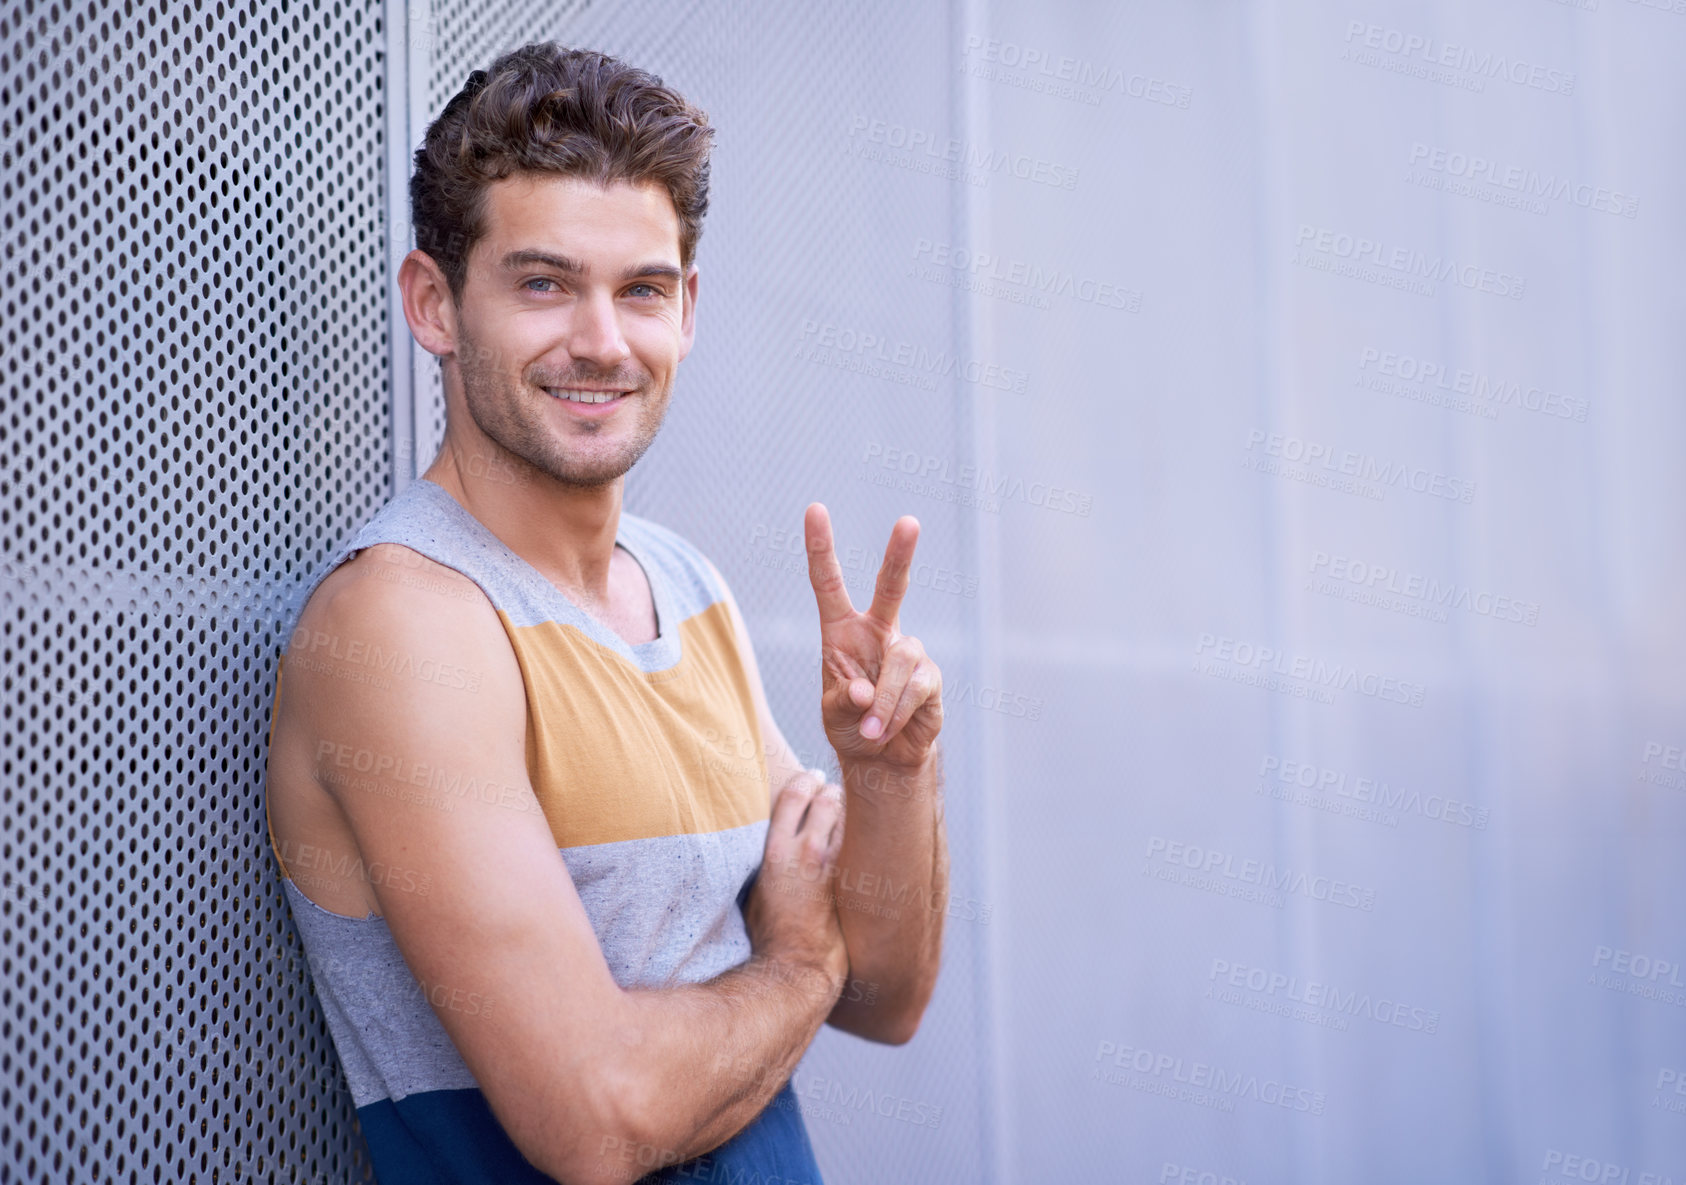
{"x":516,"y":260}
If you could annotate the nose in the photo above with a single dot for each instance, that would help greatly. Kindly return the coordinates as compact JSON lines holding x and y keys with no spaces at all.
{"x":594,"y":332}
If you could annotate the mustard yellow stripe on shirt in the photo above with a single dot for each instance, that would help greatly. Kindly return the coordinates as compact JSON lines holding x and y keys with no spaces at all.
{"x":617,"y":753}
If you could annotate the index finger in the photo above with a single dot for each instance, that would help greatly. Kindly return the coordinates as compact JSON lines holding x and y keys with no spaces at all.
{"x":891,"y":587}
{"x":824,"y":572}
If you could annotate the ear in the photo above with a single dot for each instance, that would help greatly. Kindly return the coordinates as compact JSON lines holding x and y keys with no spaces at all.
{"x":429,"y":306}
{"x":688,"y":318}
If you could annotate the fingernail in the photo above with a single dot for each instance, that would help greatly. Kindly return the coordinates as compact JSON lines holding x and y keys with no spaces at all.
{"x":871,"y":727}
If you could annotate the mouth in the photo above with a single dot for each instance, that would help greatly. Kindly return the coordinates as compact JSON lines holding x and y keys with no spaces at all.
{"x":583,"y":394}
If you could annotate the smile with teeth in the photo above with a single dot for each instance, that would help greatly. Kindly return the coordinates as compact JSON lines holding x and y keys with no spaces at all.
{"x":574,"y":395}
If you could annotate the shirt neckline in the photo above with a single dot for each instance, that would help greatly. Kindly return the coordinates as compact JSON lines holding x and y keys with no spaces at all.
{"x":659,"y":652}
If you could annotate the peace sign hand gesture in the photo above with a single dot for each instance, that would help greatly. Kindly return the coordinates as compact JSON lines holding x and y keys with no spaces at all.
{"x":880,"y":694}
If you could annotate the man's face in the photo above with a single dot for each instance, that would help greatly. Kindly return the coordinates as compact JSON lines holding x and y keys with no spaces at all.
{"x":573,"y":318}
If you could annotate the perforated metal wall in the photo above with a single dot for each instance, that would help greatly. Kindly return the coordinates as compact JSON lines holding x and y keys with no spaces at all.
{"x":198,"y":231}
{"x":196,"y":410}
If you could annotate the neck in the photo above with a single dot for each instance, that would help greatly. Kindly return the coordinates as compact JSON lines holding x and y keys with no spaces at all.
{"x":566,"y":532}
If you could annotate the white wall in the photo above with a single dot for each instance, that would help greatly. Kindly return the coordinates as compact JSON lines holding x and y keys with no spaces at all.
{"x":1232,"y":217}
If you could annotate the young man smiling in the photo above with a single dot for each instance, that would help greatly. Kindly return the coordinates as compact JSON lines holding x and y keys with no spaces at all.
{"x":549,"y":713}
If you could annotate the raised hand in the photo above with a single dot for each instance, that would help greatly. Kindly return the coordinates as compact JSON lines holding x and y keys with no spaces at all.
{"x":880,"y":693}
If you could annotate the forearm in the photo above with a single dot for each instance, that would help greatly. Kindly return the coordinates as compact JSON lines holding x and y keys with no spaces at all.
{"x":891,"y":889}
{"x":694,"y":1065}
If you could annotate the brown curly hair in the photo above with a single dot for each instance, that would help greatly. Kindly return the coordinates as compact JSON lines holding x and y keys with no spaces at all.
{"x":547,"y":109}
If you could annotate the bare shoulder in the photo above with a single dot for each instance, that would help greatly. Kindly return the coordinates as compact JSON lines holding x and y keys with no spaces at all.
{"x":391,"y":631}
{"x":378,"y":615}
{"x":390,"y":579}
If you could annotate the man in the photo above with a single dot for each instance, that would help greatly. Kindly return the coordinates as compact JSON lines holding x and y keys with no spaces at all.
{"x":573,"y":908}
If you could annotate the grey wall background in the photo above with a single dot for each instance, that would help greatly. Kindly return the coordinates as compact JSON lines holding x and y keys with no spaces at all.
{"x":1175,"y":325}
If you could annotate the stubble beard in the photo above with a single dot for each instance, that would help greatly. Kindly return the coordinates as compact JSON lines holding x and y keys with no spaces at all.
{"x":508,"y":411}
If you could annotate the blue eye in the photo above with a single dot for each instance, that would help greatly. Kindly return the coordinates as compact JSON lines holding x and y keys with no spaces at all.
{"x":539,"y":280}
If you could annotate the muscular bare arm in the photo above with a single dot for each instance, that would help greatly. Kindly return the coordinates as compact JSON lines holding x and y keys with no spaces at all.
{"x":890,"y":881}
{"x":575,"y":1068}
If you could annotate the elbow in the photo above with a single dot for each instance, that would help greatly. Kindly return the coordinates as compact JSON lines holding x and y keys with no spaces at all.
{"x":610,"y":1141}
{"x":902,"y":1018}
{"x":898,"y":1032}
{"x":899,"y":1026}
{"x":885,"y":1021}
{"x":613,"y":1161}
{"x":882,"y":1029}
{"x":606,"y":1158}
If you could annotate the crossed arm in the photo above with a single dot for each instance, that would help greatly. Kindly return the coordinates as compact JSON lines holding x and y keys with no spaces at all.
{"x":577,"y":1069}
